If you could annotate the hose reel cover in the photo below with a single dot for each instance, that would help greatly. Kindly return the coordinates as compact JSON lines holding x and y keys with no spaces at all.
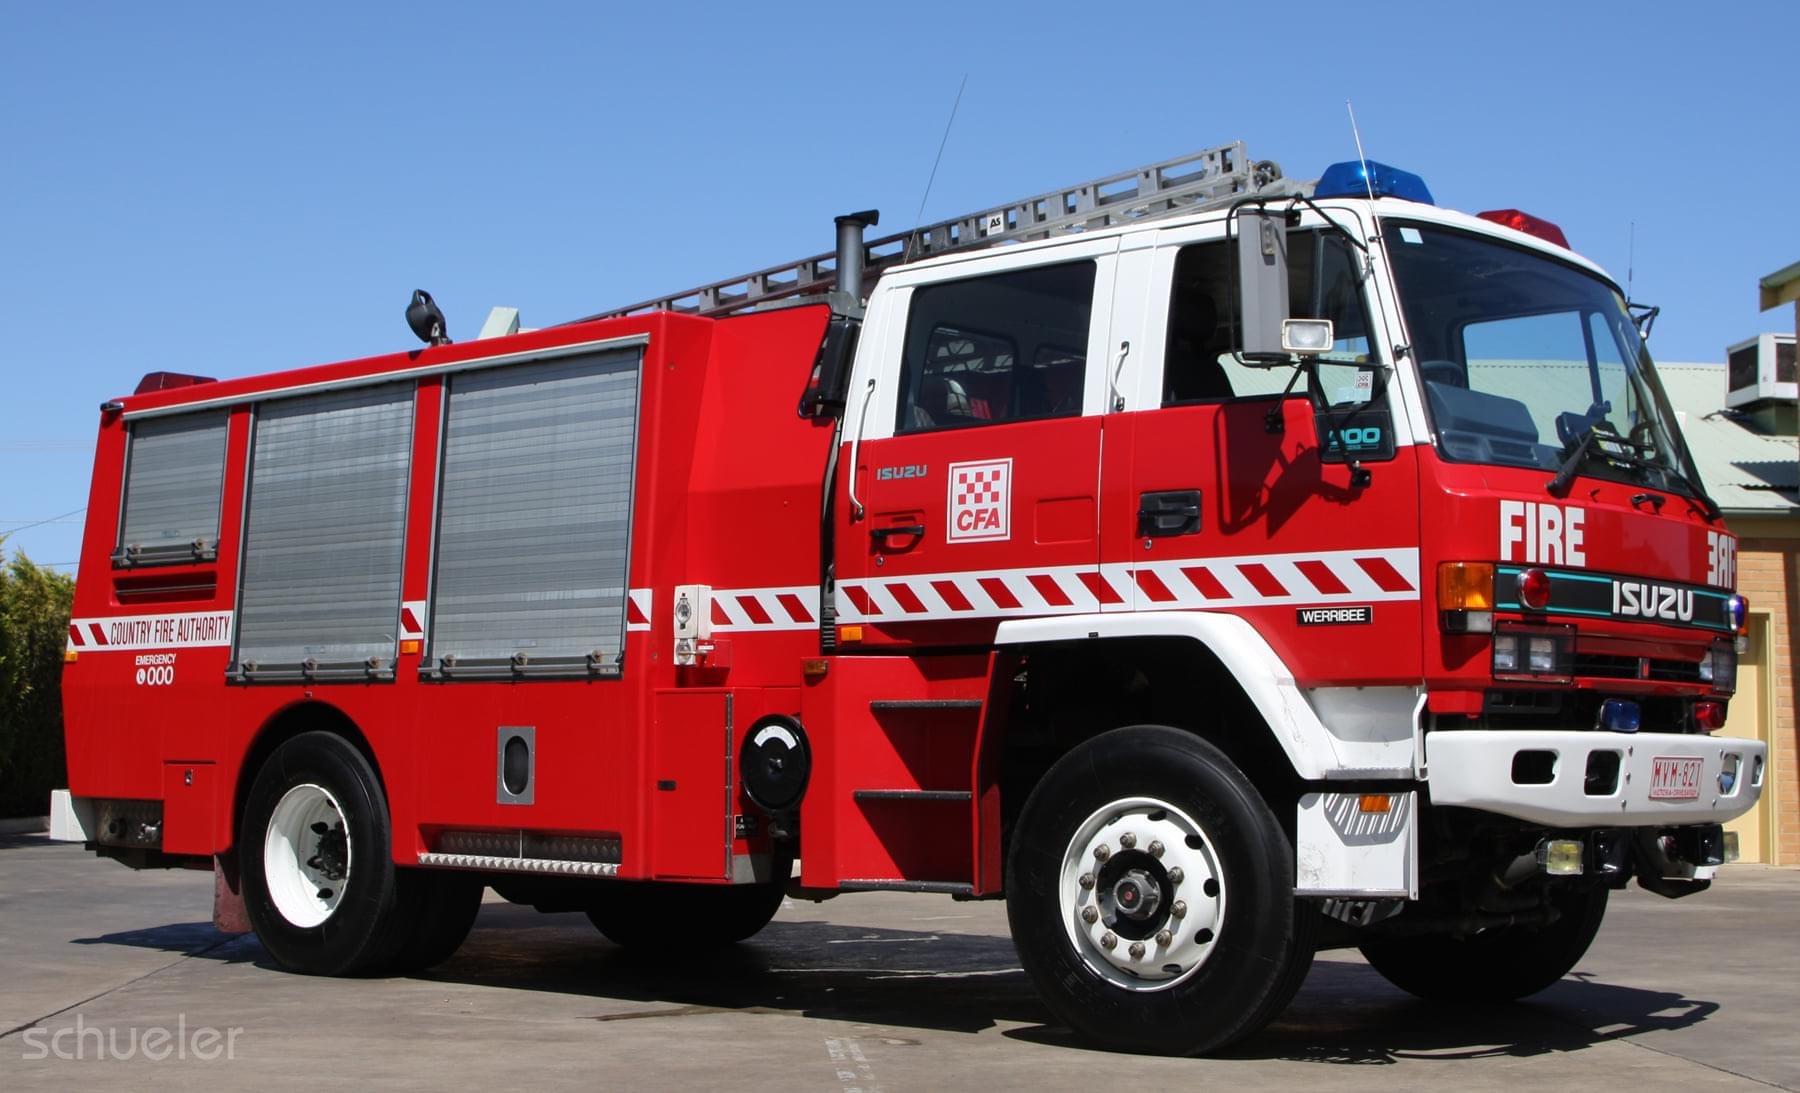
{"x":776,"y":763}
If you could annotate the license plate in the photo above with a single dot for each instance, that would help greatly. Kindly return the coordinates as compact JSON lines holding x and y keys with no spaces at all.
{"x":1674,"y":778}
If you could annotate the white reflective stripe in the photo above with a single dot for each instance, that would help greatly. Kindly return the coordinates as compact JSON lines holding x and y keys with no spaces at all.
{"x":790,"y":607}
{"x":182,"y":630}
{"x":1255,"y":580}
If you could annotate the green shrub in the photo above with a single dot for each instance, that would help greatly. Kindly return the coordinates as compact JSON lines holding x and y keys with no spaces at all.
{"x":34,"y":628}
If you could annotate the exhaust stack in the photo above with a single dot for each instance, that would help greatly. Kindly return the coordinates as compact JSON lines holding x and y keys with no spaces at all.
{"x":850,"y":250}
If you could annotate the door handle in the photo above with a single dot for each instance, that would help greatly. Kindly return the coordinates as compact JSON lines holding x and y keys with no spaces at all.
{"x":906,"y":531}
{"x":1171,"y":512}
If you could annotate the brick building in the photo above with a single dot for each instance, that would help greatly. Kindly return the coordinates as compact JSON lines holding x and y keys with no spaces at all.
{"x":1747,"y":458}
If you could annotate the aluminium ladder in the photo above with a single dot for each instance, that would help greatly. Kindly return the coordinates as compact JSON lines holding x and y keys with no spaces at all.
{"x":1201,"y":180}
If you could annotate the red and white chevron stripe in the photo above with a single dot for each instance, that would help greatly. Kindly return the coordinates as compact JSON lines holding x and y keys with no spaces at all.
{"x":637,"y":609}
{"x":412,"y":619}
{"x":1258,"y":580}
{"x":794,"y":607}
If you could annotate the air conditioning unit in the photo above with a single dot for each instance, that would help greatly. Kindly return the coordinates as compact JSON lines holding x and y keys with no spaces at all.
{"x":1760,"y":370}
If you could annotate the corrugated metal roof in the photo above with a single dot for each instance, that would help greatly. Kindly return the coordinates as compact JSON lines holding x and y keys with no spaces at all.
{"x":1745,"y":470}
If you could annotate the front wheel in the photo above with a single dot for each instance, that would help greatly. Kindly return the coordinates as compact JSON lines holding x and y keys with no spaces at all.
{"x":1498,"y":965}
{"x":1150,"y":893}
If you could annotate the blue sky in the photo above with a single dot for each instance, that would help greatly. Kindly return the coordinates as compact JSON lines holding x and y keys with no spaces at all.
{"x":227,"y":190}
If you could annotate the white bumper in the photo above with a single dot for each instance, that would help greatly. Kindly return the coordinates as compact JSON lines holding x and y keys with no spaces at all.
{"x":1483,"y":769}
{"x":71,"y":818}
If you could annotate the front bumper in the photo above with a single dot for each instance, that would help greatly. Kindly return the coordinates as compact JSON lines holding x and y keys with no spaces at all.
{"x":1550,"y":778}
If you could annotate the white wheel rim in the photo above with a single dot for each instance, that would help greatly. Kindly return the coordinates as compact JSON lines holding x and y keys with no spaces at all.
{"x":1149,"y":847}
{"x":305,"y":869}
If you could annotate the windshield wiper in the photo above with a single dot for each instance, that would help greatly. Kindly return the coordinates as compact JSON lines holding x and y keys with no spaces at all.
{"x":1698,"y":495}
{"x":1602,"y":433}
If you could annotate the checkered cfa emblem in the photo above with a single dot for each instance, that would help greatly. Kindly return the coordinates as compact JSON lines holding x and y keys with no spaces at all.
{"x":980,"y":501}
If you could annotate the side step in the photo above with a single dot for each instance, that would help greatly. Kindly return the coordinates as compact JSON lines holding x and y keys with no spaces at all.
{"x":497,"y":864}
{"x":881,"y":705}
{"x":913,"y":795}
{"x":946,"y":887}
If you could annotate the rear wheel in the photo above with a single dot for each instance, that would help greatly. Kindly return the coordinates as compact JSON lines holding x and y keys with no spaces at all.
{"x":1497,"y":965}
{"x":1150,"y":893}
{"x":684,"y":917}
{"x":319,"y":880}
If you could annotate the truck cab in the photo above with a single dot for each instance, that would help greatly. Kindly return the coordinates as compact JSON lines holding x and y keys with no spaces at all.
{"x":1381,"y":502}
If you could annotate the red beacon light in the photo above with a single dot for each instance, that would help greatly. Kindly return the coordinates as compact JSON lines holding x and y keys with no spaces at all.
{"x":1530,"y":225}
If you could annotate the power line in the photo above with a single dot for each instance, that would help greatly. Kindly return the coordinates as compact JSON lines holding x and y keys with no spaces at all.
{"x":46,"y":520}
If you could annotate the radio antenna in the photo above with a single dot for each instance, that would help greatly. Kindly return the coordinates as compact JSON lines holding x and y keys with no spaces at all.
{"x":1630,"y":258}
{"x":919,"y":217}
{"x":1360,"y":158}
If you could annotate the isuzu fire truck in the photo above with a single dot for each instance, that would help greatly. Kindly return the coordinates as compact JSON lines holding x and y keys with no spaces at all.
{"x":1216,"y":567}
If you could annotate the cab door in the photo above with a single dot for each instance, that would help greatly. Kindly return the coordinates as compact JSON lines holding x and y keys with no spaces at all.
{"x":973,"y":482}
{"x":1219,"y":495}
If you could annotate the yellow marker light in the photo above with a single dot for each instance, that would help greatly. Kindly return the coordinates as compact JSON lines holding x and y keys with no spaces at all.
{"x":70,"y":656}
{"x":410,"y":646}
{"x":850,"y":633}
{"x":1560,"y":857}
{"x":815,"y":667}
{"x":1375,"y":802}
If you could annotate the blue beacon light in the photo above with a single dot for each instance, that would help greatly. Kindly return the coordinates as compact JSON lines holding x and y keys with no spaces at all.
{"x":1348,"y":179}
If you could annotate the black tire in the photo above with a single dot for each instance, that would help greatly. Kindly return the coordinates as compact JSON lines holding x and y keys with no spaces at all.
{"x":365,"y":929}
{"x":648,"y":914}
{"x":446,"y":905}
{"x":1244,"y":972}
{"x":1499,"y":965}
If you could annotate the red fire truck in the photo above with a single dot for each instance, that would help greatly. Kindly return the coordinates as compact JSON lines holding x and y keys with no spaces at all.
{"x":1216,"y":567}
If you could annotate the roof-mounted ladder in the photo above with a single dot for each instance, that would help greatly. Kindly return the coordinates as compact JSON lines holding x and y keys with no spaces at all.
{"x":1213,"y":176}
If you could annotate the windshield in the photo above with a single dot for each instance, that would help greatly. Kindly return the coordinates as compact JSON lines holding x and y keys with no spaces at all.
{"x":1523,"y":357}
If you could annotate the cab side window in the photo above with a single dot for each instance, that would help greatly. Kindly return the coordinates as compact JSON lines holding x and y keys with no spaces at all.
{"x":1198,"y":362}
{"x":1004,"y":347}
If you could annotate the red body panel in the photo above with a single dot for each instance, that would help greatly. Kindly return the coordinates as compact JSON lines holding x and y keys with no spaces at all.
{"x":727,"y":494}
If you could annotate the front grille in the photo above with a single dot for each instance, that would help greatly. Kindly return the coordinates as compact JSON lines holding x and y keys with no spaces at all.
{"x":1604,"y":666}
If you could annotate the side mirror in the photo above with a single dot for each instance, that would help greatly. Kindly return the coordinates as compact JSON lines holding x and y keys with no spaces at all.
{"x":1262,"y":253}
{"x":824,"y":394}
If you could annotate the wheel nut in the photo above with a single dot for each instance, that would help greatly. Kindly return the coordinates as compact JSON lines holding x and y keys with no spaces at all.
{"x":1156,"y":848}
{"x":1128,"y":840}
{"x":1163,"y":937}
{"x":1086,"y":880}
{"x":1176,"y":876}
{"x":1109,"y":940}
{"x":1179,"y":908}
{"x":1137,"y":950}
{"x":1102,"y":852}
{"x":1089,"y":915}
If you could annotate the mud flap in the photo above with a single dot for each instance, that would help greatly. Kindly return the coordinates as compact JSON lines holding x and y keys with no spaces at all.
{"x":1357,"y":844}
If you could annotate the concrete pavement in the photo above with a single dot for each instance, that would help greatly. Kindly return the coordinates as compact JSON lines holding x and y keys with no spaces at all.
{"x":870,"y":991}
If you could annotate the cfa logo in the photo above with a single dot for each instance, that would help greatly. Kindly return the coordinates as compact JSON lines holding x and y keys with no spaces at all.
{"x":980,"y":501}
